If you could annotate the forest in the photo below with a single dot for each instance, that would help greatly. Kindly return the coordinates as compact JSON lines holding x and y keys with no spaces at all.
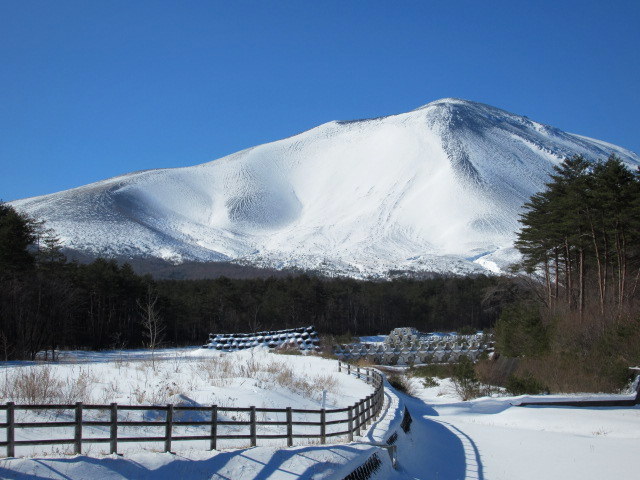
{"x":583,"y":234}
{"x":49,"y":303}
{"x":579,"y":330}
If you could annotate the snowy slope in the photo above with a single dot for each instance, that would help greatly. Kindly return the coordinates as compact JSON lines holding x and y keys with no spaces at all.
{"x":435,"y":189}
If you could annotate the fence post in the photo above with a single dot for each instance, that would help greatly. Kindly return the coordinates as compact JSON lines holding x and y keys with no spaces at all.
{"x":289,"y":427}
{"x":358,"y":371}
{"x":168,"y":428}
{"x":253,"y":426}
{"x":367,"y":416}
{"x":350,"y":420}
{"x":11,"y":447}
{"x":113,"y":438}
{"x":357,"y":418}
{"x":348,"y":369}
{"x":367,"y":379}
{"x":214,"y":427}
{"x":365,"y":411}
{"x":339,"y":366}
{"x":77,"y":438}
{"x":374,"y":400}
{"x":323,"y":426}
{"x":362,"y":413}
{"x":374,"y":406}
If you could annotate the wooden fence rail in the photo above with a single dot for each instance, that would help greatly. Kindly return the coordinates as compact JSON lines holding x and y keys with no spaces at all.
{"x":354,"y":418}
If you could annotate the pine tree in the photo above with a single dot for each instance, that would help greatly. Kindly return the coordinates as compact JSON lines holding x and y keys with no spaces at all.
{"x":584,"y":227}
{"x":17,"y":233}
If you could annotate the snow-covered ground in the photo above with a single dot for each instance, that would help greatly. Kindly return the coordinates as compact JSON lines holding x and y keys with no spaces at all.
{"x":244,"y":378}
{"x":191,"y":377}
{"x":488,"y":438}
{"x":239,"y":379}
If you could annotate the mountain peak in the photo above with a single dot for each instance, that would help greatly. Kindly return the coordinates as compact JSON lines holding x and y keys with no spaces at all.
{"x":453,"y":101}
{"x":449,"y":101}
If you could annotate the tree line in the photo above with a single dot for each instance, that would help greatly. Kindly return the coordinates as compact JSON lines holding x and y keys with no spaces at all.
{"x":583,"y":235}
{"x":335,"y":306}
{"x":579,"y":329}
{"x":48,"y":303}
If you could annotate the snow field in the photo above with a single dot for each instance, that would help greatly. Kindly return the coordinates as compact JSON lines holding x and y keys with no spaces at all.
{"x":490,"y":438}
{"x":487,"y":438}
{"x":190,"y":377}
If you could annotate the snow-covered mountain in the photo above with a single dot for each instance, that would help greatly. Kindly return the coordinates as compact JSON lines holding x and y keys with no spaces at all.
{"x":436,"y":189}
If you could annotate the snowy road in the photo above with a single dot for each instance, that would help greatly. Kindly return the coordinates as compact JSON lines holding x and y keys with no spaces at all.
{"x":490,"y":439}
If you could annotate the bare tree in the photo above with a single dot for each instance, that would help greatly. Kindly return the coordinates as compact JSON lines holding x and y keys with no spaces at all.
{"x":152,"y":324}
{"x":6,"y":346}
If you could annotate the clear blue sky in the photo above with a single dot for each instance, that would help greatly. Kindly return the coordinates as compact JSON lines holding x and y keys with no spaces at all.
{"x":91,"y":89}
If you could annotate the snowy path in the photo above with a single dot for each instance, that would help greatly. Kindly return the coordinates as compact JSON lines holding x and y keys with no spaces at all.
{"x":490,"y":439}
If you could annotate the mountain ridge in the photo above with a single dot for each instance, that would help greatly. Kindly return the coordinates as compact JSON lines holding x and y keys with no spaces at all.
{"x":434,"y":189}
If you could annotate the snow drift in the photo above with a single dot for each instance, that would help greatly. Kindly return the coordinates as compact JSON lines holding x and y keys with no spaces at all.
{"x":436,"y":189}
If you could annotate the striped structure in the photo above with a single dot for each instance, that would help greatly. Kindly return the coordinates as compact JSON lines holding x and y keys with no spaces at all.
{"x":304,"y":338}
{"x":405,"y":346}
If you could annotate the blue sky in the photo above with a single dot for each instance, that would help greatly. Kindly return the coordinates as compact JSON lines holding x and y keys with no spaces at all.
{"x":91,"y":89}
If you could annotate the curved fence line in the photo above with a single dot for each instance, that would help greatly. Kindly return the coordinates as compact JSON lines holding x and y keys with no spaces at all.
{"x":108,"y":424}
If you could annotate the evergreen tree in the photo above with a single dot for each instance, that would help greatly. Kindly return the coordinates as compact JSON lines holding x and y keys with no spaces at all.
{"x":17,"y":233}
{"x":582,"y":230}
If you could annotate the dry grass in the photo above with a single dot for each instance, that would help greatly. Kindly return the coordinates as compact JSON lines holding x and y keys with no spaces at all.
{"x":284,"y":376}
{"x":326,"y":382}
{"x":571,"y":374}
{"x":364,"y":362}
{"x":401,"y":383}
{"x":437,"y":370}
{"x":560,"y":372}
{"x":216,"y":370}
{"x":288,"y":350}
{"x":588,"y":353}
{"x":141,"y":382}
{"x":496,"y":371}
{"x":39,"y":385}
{"x":32,"y":385}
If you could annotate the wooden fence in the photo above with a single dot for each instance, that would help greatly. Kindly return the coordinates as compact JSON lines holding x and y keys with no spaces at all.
{"x":350,"y":421}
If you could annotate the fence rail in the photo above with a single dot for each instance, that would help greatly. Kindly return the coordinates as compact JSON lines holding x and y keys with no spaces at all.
{"x":353,"y":418}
